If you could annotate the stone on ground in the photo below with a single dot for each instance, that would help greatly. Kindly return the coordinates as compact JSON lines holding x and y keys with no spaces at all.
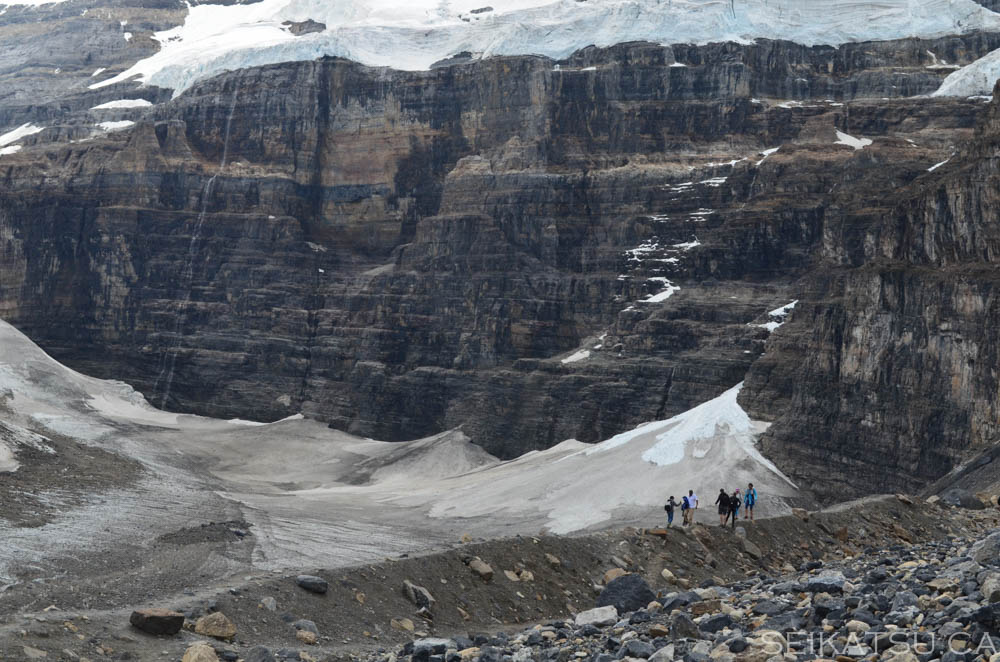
{"x":665,"y":654}
{"x":307,"y":625}
{"x":659,"y":630}
{"x":200,"y":652}
{"x":990,"y":587}
{"x":432,"y":646}
{"x":962,"y":499}
{"x":481,"y":569}
{"x":312,"y":583}
{"x":259,"y":654}
{"x":827,"y":582}
{"x":751,"y":549}
{"x":682,"y":627}
{"x":402,"y":624}
{"x":157,"y":621}
{"x":418,"y":595}
{"x":215,"y":625}
{"x":612,"y":575}
{"x":627,"y":593}
{"x":598,"y":616}
{"x":986,"y":549}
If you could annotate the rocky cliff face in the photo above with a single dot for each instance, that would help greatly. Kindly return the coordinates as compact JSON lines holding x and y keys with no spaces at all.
{"x":497,"y":245}
{"x":890,"y":363}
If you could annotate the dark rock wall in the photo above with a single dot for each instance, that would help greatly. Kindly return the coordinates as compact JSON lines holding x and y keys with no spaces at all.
{"x":400,"y":253}
{"x":888,"y":371}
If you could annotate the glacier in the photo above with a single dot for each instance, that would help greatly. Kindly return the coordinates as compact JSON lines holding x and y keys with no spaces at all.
{"x":415,"y":35}
{"x":973,"y":79}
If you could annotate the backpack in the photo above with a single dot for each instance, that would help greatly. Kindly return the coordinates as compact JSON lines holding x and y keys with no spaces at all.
{"x":669,"y":507}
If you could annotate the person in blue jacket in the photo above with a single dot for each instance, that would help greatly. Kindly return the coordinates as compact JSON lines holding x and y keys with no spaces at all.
{"x":749,"y":501}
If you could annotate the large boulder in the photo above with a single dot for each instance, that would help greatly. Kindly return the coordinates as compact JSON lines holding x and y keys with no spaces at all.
{"x":157,"y":621}
{"x":956,"y":496}
{"x":627,"y":593}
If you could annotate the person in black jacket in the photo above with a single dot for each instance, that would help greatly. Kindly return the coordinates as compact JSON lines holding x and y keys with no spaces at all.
{"x":734,"y":507}
{"x":722,"y":501}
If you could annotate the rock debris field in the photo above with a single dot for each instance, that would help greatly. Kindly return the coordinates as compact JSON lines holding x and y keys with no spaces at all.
{"x":893,"y":578}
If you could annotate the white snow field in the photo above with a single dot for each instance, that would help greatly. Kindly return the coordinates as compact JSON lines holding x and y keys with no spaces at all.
{"x":414,"y":35}
{"x":317,"y":497}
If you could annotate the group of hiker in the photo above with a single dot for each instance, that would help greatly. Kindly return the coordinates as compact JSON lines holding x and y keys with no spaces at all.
{"x":729,"y":506}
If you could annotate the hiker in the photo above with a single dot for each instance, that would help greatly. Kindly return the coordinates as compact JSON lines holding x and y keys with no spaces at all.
{"x":734,"y":507}
{"x":671,"y":504}
{"x":693,"y":498}
{"x":729,"y":508}
{"x":749,"y":501}
{"x":722,"y":501}
{"x":685,"y":510}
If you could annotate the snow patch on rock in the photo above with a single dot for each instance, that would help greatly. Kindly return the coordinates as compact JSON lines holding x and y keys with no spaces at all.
{"x":117,"y":125}
{"x":23,"y":131}
{"x":123,"y":103}
{"x":578,"y":356}
{"x":851,"y":141}
{"x":662,"y":295}
{"x":777,"y":317}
